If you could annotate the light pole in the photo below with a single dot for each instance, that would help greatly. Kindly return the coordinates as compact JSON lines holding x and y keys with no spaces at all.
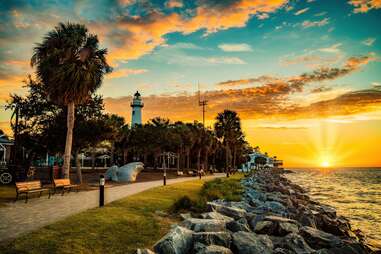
{"x":101,"y":190}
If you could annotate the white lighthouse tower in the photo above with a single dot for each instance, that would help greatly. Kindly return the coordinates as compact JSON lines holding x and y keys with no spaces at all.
{"x":136,"y":106}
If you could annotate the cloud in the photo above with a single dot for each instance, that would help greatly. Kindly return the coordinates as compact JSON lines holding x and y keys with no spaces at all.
{"x":321,"y":89}
{"x":369,"y":41}
{"x":239,"y":47}
{"x":310,"y":59}
{"x":296,"y":83}
{"x":301,"y":11}
{"x":174,"y":4}
{"x":225,"y":60}
{"x":249,"y":104}
{"x":133,"y":37}
{"x":320,"y":14}
{"x":362,"y":6}
{"x":347,"y":104}
{"x":332,"y":49}
{"x":318,"y":23}
{"x":123,"y":73}
{"x":376,"y":85}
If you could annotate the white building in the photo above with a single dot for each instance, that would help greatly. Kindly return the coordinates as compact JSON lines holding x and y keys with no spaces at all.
{"x":136,"y":105}
{"x":271,"y":162}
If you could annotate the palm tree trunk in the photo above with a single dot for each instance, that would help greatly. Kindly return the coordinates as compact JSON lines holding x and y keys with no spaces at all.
{"x":227,"y":152}
{"x":69,"y":139}
{"x":234,"y":157}
{"x":93,"y":158}
{"x":198,"y":159}
{"x":112,"y":153}
{"x":78,"y":167}
{"x":188,"y":158}
{"x":206,"y":160}
{"x":125,"y":156}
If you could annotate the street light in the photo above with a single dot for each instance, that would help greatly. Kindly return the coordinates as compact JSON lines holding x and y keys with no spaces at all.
{"x":101,"y":190}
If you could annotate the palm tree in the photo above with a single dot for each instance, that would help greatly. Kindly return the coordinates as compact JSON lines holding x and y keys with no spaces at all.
{"x":228,"y":128}
{"x":71,"y":67}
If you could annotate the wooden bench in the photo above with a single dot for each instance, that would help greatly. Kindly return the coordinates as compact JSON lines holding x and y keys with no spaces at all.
{"x":63,"y":184}
{"x":29,"y":187}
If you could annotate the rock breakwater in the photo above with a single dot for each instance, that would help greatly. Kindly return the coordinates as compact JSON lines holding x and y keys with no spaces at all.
{"x":274,"y":216}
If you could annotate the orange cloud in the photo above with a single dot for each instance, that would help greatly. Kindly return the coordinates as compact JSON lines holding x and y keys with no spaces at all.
{"x":122,"y":73}
{"x":269,"y":99}
{"x":136,"y":36}
{"x":362,"y":6}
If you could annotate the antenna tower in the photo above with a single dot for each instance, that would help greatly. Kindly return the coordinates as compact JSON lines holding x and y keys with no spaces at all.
{"x":202,"y":103}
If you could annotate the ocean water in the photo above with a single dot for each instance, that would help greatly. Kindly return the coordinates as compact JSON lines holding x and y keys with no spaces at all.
{"x":354,"y":192}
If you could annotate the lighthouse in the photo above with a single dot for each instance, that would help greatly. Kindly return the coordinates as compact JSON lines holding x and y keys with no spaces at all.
{"x":136,"y":106}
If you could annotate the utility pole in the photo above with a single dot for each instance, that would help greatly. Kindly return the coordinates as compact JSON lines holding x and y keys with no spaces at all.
{"x":202,"y":103}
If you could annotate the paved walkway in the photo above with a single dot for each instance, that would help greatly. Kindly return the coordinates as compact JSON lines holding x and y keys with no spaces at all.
{"x":20,"y":217}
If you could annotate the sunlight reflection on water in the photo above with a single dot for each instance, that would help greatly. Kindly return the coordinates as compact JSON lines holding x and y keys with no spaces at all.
{"x":354,"y":192}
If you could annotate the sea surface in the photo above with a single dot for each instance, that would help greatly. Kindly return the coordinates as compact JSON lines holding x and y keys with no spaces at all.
{"x":354,"y":192}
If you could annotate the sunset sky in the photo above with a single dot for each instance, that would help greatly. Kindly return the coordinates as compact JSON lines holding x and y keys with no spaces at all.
{"x":305,"y":76}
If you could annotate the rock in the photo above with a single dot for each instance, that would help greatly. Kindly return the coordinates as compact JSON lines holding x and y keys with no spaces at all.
{"x":239,"y":225}
{"x":250,"y":243}
{"x":355,"y":248}
{"x":276,"y":226}
{"x":275,"y":207}
{"x":282,"y":251}
{"x":233,"y":212}
{"x":285,"y":227}
{"x":213,"y":238}
{"x":211,"y":249}
{"x":144,"y":251}
{"x":319,"y":239}
{"x":185,"y":216}
{"x":264,"y":227}
{"x":177,"y":241}
{"x":204,"y":225}
{"x":296,"y":244}
{"x":216,"y":216}
{"x":279,"y":219}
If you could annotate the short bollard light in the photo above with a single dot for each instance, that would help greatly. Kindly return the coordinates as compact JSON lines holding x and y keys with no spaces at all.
{"x":101,"y":190}
{"x":165,"y":177}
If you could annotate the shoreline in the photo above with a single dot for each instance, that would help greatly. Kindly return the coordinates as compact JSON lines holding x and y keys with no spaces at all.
{"x":274,"y":216}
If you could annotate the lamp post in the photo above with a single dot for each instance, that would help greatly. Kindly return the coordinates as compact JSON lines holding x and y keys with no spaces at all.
{"x":101,"y":190}
{"x":164,"y":173}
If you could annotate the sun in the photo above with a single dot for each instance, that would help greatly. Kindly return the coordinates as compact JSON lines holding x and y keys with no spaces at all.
{"x":325,"y":164}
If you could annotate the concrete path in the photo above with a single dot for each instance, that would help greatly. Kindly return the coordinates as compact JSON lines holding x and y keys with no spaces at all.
{"x":20,"y":217}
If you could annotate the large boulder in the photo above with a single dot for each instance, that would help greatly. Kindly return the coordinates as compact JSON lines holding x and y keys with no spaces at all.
{"x":144,"y":251}
{"x":296,"y":244}
{"x":210,"y":249}
{"x":318,"y":239}
{"x":251,"y":243}
{"x":126,"y":173}
{"x":276,"y":226}
{"x":204,"y":225}
{"x":178,"y":241}
{"x":213,"y":238}
{"x":230,"y":211}
{"x":238,"y":225}
{"x":216,"y":216}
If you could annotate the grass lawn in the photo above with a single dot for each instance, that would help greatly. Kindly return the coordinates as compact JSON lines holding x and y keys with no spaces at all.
{"x":120,"y":227}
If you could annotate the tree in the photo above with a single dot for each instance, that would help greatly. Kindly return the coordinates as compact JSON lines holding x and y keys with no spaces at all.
{"x":116,"y":124}
{"x":228,"y":130}
{"x":71,"y":67}
{"x":260,"y":161}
